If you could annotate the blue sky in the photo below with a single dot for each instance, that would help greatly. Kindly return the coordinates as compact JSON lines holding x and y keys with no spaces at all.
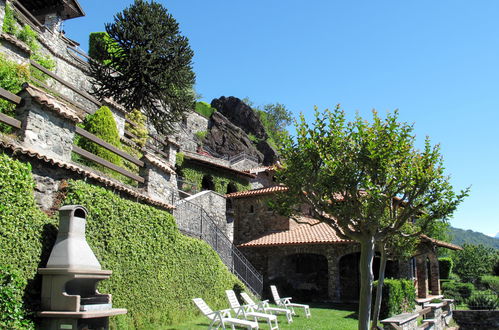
{"x":435,"y":61}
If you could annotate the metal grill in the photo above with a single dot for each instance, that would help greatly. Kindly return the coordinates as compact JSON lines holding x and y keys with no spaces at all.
{"x":194,"y":221}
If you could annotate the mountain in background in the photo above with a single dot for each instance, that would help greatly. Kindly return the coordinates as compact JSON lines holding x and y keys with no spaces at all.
{"x":461,"y":236}
{"x":497,"y":235}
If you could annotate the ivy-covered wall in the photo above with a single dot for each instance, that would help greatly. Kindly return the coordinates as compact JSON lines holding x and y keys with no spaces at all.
{"x":156,"y":270}
{"x":195,"y":173}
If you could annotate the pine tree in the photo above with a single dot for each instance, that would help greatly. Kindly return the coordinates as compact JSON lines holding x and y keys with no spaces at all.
{"x":150,"y":65}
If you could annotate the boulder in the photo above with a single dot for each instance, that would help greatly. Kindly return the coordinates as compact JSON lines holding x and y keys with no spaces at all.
{"x":241,"y":115}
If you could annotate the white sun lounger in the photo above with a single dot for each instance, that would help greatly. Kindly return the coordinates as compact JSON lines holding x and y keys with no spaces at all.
{"x":263,"y":306}
{"x":247,"y":311}
{"x":286,"y":302}
{"x":222,"y":318}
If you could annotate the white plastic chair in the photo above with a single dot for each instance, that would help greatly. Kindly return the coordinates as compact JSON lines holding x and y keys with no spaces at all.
{"x":286,"y":302}
{"x":247,"y":311}
{"x":222,"y":318}
{"x":264,"y":306}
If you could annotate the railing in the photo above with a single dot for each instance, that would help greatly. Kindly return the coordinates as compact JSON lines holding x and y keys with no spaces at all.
{"x":103,"y":162}
{"x":187,"y":187}
{"x":195,"y":221}
{"x":12,"y":98}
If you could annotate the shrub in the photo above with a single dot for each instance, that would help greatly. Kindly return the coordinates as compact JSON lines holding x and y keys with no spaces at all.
{"x":201,"y":135}
{"x":204,"y":109}
{"x":474,"y":261}
{"x":483,"y":300}
{"x":179,"y":159}
{"x":9,"y":21}
{"x":102,"y":125}
{"x":457,"y":291}
{"x":445,"y":266}
{"x":490,"y":282}
{"x":139,"y":129}
{"x":12,"y":313}
{"x":12,"y":77}
{"x":398,"y":297}
{"x":28,"y":36}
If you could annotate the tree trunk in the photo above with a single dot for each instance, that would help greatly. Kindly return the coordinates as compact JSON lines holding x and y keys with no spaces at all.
{"x":366,"y":281}
{"x":379,"y":288}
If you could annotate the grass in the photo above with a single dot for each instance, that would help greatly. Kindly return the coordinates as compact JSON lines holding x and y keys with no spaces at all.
{"x":324,"y":316}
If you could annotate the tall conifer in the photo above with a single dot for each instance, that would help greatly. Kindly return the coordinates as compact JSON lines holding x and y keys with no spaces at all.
{"x":150,"y":65}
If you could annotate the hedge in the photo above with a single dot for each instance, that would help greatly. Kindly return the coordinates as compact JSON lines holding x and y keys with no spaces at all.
{"x":445,"y":265}
{"x":398,"y":297}
{"x":156,"y":270}
{"x":458,"y":291}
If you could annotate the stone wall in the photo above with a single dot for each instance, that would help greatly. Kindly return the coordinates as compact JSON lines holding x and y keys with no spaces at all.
{"x":159,"y":183}
{"x":185,"y":131}
{"x":215,"y":205}
{"x":45,"y":131}
{"x":253,"y":217}
{"x":272,"y":263}
{"x":475,"y":320}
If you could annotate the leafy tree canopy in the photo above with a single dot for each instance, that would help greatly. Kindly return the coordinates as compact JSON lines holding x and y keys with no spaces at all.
{"x":475,"y":261}
{"x":150,"y":65}
{"x":367,"y":180}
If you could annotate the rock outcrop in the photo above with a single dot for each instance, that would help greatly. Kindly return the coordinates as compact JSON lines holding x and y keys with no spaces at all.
{"x":241,"y":115}
{"x":229,"y":128}
{"x":225,"y":138}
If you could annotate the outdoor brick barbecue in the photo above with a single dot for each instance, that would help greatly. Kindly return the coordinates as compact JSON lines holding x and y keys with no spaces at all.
{"x":69,"y":285}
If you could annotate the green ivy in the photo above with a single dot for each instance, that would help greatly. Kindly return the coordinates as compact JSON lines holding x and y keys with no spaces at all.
{"x":193,"y":173}
{"x":179,"y":159}
{"x":399,"y":296}
{"x":156,"y":269}
{"x":26,"y":233}
{"x":12,"y":312}
{"x":445,"y":265}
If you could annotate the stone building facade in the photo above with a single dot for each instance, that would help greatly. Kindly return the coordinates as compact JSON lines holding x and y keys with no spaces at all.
{"x":307,"y":259}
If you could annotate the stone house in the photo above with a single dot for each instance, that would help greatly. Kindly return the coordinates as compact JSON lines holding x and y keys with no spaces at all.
{"x":306,"y":258}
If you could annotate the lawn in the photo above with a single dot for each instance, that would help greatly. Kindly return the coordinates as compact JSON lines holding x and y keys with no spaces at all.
{"x":324,"y":316}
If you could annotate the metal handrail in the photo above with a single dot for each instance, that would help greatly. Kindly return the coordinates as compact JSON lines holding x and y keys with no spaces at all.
{"x":194,"y":219}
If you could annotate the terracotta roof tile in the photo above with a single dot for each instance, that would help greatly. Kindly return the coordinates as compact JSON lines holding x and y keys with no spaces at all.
{"x":13,"y":40}
{"x":52,"y":103}
{"x":441,"y":243}
{"x":257,"y":192}
{"x":17,"y":149}
{"x":114,"y":104}
{"x":311,"y":231}
{"x":159,"y":163}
